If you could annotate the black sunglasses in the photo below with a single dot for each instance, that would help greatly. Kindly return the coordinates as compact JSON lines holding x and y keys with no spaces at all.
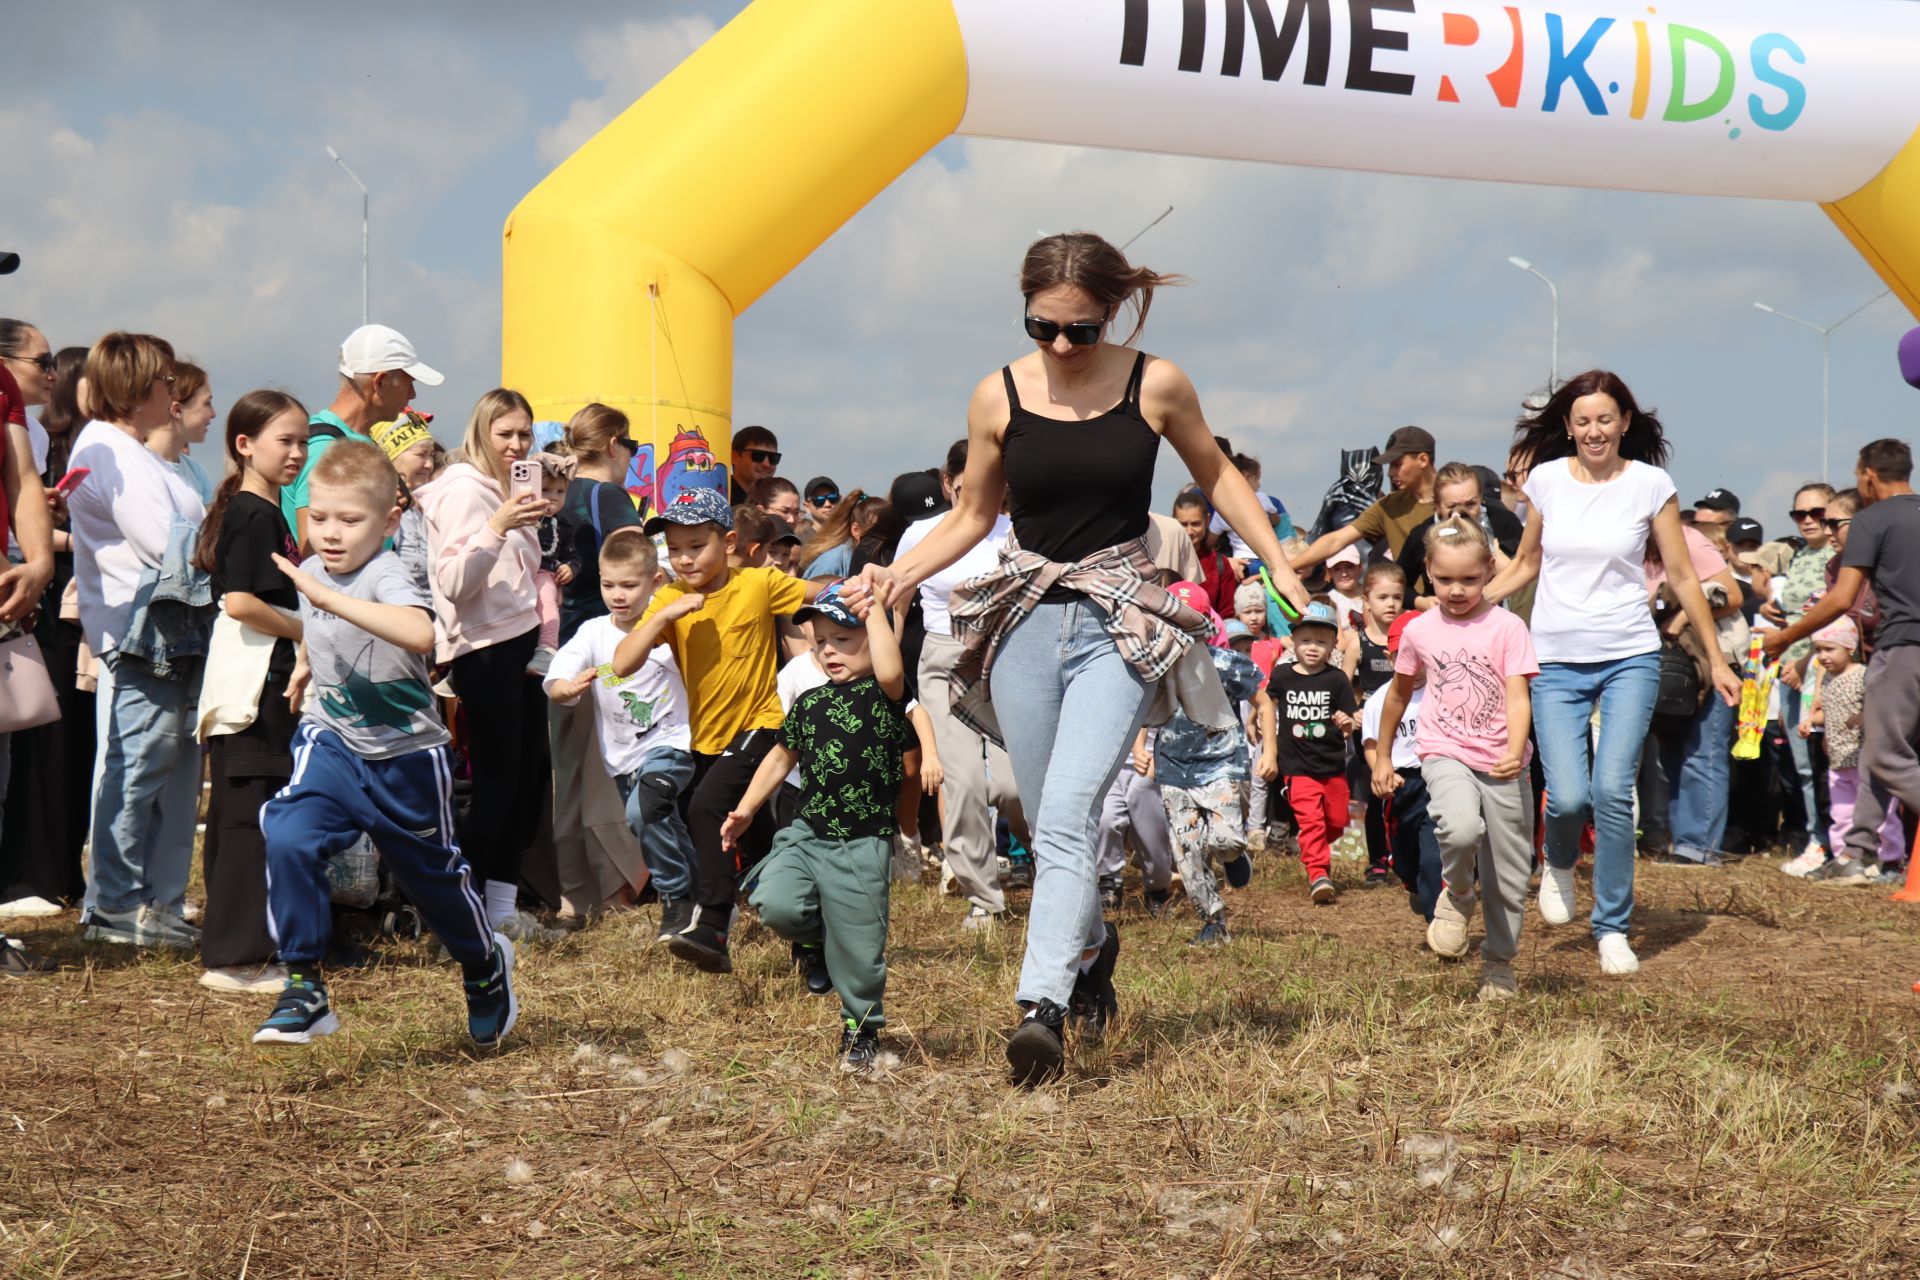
{"x":765,"y":455}
{"x":1081,"y":333}
{"x":1833,"y":525}
{"x":44,"y":361}
{"x":824,"y":499}
{"x":1811,"y":513}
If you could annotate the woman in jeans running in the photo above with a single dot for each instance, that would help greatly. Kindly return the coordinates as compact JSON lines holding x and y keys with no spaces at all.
{"x":1071,"y":625}
{"x":1597,"y":497}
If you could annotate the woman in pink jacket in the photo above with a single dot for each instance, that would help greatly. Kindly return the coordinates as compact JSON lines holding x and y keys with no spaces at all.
{"x":484,"y":552}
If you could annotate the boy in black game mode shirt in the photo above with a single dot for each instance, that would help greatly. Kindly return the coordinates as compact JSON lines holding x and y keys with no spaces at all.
{"x":1304,"y":722}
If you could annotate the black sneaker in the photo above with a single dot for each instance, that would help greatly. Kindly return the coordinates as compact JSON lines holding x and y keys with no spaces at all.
{"x":702,"y":941}
{"x":1212,"y":934}
{"x":859,"y":1048}
{"x":1378,"y":874}
{"x":1019,"y":873}
{"x":18,"y":962}
{"x":1239,"y":871}
{"x":1093,"y":1003}
{"x":1157,"y":900}
{"x":1110,"y":894}
{"x":1036,"y":1048}
{"x":492,"y":1008}
{"x":810,"y":959}
{"x":1321,"y":890}
{"x":302,"y":1014}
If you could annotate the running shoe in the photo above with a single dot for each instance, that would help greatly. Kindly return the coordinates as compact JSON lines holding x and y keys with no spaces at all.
{"x":1690,"y":858}
{"x":524,"y":926}
{"x":1447,"y":935}
{"x":810,"y":961}
{"x":1616,"y":955}
{"x":250,"y":979}
{"x":1239,"y":871}
{"x":144,"y":926}
{"x":1378,"y":873}
{"x":1841,"y":873}
{"x":1806,"y":862}
{"x":1094,"y":1003}
{"x":18,"y":962}
{"x":29,"y":908}
{"x":702,"y":941}
{"x":1321,"y":890}
{"x":1157,"y":900}
{"x":1212,"y":934}
{"x":1556,"y":894}
{"x":1037,"y":1046}
{"x":978,"y":918}
{"x":1111,"y":894}
{"x":674,"y":913}
{"x":1497,"y":981}
{"x":492,"y":1008}
{"x":859,"y":1048}
{"x":302,"y":1014}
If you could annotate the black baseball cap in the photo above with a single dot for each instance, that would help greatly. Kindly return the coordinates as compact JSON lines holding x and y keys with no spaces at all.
{"x":1405,"y":441}
{"x":818,"y":483}
{"x":917,"y":495}
{"x":1720,"y":500}
{"x":782,"y":531}
{"x":1745,"y":529}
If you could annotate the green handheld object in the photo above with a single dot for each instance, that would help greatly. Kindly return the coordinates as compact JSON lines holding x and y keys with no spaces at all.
{"x":1287,"y":610}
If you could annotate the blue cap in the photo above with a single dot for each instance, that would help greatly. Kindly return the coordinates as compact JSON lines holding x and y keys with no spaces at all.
{"x":1238,"y":630}
{"x":829,"y":605}
{"x":694,"y":506}
{"x":1318,"y":613}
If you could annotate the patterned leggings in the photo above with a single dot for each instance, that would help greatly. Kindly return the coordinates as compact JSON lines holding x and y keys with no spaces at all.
{"x":1206,"y":825}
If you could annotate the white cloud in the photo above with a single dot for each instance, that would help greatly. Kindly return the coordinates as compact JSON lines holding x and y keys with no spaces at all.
{"x":625,"y":61}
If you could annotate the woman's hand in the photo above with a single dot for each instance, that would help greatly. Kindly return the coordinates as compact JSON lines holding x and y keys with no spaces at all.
{"x":1793,"y":675}
{"x":517,"y":513}
{"x":876,"y":581}
{"x":1726,"y":682}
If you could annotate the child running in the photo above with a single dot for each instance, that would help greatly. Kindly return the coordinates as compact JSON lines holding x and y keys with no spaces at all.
{"x":1415,"y":854}
{"x":826,"y":880}
{"x":645,"y":741}
{"x":1382,"y":599}
{"x":1303,"y":727}
{"x":1859,"y":854}
{"x":1472,"y":741}
{"x":370,"y":757}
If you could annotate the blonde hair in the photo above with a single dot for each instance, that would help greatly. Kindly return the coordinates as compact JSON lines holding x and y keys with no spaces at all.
{"x":121,"y":368}
{"x":1456,"y":531}
{"x":355,"y":464}
{"x":477,"y":447}
{"x":1456,"y":473}
{"x":629,"y":546}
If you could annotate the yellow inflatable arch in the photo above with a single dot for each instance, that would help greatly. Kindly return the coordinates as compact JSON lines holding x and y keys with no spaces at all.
{"x":625,"y":268}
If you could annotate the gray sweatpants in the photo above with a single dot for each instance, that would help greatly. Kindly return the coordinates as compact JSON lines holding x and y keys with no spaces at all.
{"x":1487,"y":825}
{"x":977,"y":774}
{"x":1889,"y":729}
{"x":1133,"y":804}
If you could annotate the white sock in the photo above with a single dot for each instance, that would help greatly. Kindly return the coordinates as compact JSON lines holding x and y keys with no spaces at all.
{"x":501,"y":897}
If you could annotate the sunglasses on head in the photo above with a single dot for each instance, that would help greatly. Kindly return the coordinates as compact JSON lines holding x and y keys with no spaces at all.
{"x":765,"y":455}
{"x":826,"y":499}
{"x":1081,"y":333}
{"x":43,"y":361}
{"x":1811,"y":513}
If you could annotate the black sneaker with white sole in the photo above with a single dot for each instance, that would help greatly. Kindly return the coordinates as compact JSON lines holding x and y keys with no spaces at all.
{"x":859,"y":1048}
{"x":810,"y":961}
{"x":1094,"y":1003}
{"x":302,"y":1014}
{"x":673,"y":917}
{"x":702,"y":941}
{"x":1037,"y":1046}
{"x":18,"y":962}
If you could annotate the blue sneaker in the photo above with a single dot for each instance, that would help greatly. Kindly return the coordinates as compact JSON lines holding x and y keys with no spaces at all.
{"x":492,"y":1008}
{"x":1239,"y":871}
{"x":1212,"y":934}
{"x":302,"y":1014}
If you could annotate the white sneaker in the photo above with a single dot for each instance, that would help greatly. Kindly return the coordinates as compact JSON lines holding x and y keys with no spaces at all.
{"x":1556,"y":894}
{"x":979,"y":919}
{"x":1447,"y":935}
{"x":29,"y":909}
{"x":247,"y":977}
{"x":524,"y":926}
{"x":1806,"y":862}
{"x":190,"y":911}
{"x":1497,"y":980}
{"x":1616,"y":956}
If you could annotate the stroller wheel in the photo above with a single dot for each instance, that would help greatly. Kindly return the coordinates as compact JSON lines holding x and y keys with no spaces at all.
{"x":403,"y":924}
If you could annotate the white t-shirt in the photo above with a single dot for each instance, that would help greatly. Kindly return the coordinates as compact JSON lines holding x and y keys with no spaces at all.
{"x":1591,"y":603}
{"x":1236,"y":545}
{"x":1404,"y":754}
{"x":805,"y":672}
{"x":635,"y":716}
{"x":121,"y":518}
{"x":37,"y":436}
{"x":935,"y":590}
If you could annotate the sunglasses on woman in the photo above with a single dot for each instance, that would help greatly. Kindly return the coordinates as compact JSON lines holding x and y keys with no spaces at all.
{"x":1081,"y":333}
{"x":1811,"y":513}
{"x":43,"y":361}
{"x":824,"y":499}
{"x":1833,"y":525}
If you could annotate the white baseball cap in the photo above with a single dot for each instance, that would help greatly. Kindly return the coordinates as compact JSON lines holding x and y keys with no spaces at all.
{"x":374,"y":348}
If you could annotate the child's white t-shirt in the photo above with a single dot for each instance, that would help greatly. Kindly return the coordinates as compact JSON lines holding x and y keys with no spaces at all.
{"x":1405,"y":756}
{"x":637,"y":715}
{"x":797,"y":677}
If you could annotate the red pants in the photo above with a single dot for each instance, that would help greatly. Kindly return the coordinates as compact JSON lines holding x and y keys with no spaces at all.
{"x":1319,"y":816}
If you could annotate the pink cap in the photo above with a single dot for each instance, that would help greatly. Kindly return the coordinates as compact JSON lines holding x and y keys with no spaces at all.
{"x":1840,"y":632}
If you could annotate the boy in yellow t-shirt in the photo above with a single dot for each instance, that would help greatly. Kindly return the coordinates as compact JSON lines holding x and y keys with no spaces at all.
{"x":724,"y":646}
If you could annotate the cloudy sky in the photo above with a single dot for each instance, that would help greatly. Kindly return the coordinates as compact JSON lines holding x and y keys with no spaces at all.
{"x":167,"y":171}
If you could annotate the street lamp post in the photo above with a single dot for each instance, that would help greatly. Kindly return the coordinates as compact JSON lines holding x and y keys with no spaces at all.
{"x":363,"y":229}
{"x":1826,"y":362}
{"x":1553,"y":374}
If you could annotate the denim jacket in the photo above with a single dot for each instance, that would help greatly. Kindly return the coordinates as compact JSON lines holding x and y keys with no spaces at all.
{"x":171,"y":624}
{"x":1190,"y":755}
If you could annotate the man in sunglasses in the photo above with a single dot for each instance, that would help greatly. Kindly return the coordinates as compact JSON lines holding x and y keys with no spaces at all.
{"x":821,"y":497}
{"x":756,"y":456}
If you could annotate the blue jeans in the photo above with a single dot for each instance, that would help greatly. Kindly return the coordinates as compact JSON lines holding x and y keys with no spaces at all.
{"x":1793,"y":708}
{"x":1698,"y":765}
{"x":652,"y":793}
{"x":1597,"y":781}
{"x":1069,"y":706}
{"x":148,"y":800}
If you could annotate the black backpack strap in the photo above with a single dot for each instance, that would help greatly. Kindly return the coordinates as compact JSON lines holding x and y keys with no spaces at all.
{"x":324,"y":431}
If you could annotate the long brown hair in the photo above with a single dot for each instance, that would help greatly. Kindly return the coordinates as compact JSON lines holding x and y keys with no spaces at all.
{"x":1543,"y":436}
{"x":249,"y":417}
{"x":836,"y":531}
{"x":1089,"y":263}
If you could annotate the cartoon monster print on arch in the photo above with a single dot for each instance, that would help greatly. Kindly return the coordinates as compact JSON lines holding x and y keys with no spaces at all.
{"x":690,"y":464}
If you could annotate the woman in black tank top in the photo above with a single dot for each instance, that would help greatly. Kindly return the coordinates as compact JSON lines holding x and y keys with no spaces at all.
{"x":1076,"y":629}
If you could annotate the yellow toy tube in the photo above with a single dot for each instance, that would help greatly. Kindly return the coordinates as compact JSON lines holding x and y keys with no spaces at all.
{"x":624,"y":269}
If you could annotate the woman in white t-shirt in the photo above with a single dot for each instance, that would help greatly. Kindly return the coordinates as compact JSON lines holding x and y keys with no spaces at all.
{"x":977,"y":773}
{"x":1596,"y":496}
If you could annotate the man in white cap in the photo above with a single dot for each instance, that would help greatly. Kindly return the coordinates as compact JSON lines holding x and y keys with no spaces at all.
{"x":378,"y":372}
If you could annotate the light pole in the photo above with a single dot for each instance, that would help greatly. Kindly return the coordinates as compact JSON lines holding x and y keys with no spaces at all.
{"x":363,"y":229}
{"x":1553,"y":369}
{"x":1826,"y":362}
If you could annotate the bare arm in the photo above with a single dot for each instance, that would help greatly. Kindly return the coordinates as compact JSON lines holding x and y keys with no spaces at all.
{"x":776,"y":765}
{"x":1686,"y":589}
{"x":1524,"y":568}
{"x":631,"y":653}
{"x":300,"y":532}
{"x":884,"y":646}
{"x":1519,"y":720}
{"x":1839,"y":598}
{"x":1386,"y":779}
{"x":981,"y":491}
{"x":1269,"y":765}
{"x":22,"y":585}
{"x":407,"y":626}
{"x":250,"y":610}
{"x":931,"y":772}
{"x":1324,"y":546}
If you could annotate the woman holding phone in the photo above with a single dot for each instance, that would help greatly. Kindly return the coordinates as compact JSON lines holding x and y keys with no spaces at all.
{"x":1072,"y":627}
{"x":484,"y":554}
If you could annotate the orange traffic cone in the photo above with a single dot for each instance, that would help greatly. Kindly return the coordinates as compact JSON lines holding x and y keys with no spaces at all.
{"x":1910,"y":891}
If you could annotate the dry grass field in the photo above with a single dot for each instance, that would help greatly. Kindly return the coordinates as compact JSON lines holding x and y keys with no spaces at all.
{"x":1323,"y":1098}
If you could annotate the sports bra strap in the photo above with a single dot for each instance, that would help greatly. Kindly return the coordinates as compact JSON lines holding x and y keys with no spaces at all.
{"x":1134,"y":380}
{"x":1013,"y":397}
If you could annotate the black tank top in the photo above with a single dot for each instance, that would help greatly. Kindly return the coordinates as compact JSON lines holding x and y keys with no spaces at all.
{"x":1375,"y":669}
{"x":1076,"y":487}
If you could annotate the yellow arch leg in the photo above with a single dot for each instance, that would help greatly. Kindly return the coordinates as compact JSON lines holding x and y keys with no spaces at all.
{"x":1883,"y":221}
{"x":624,"y":269}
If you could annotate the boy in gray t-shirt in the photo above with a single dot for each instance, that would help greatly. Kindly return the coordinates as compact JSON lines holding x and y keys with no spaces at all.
{"x":369,"y":758}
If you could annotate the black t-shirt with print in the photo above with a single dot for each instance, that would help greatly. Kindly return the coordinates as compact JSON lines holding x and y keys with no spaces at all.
{"x":1374,"y":669}
{"x":851,"y":739}
{"x":1304,"y":705}
{"x":251,"y":532}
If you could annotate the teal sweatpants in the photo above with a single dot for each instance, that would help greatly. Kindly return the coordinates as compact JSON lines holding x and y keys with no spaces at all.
{"x":833,"y":892}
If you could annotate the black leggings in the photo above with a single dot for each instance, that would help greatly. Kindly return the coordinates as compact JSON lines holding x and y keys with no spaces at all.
{"x":506,"y":717}
{"x":719,"y":783}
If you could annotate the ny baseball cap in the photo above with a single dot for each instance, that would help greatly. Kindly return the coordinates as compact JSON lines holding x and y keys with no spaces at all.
{"x":1318,"y":613}
{"x":917,"y":495}
{"x":1405,"y":441}
{"x":829,"y":605}
{"x":693,"y":506}
{"x":1720,"y":500}
{"x":374,"y":348}
{"x":1745,"y":529}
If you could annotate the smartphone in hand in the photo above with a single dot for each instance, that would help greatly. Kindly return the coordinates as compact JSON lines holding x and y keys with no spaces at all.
{"x":71,"y":481}
{"x":523,"y":479}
